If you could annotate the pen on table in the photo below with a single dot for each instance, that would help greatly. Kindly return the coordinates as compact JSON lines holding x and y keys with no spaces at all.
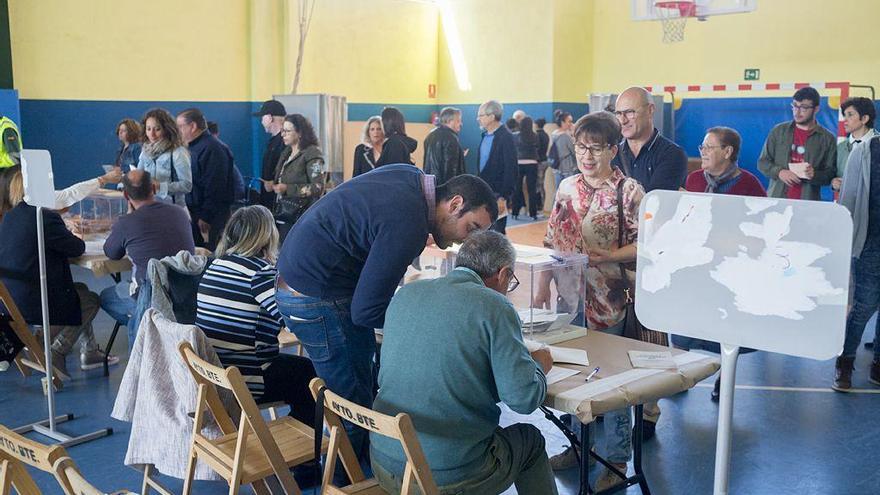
{"x":558,"y":259}
{"x":592,"y":374}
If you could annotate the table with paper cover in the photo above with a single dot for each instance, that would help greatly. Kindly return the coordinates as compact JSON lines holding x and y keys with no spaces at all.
{"x":619,"y":385}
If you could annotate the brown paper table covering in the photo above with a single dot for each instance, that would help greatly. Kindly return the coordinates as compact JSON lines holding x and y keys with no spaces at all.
{"x":618,"y":384}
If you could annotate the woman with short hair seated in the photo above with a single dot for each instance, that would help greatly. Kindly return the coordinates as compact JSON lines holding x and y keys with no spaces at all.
{"x":237,"y":312}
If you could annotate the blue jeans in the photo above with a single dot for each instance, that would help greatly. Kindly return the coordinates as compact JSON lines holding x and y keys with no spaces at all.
{"x":116,"y":301}
{"x":616,"y":424}
{"x":516,"y":456}
{"x":866,"y":301}
{"x":341,"y":351}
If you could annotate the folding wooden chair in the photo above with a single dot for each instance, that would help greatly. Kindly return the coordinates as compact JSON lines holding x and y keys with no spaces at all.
{"x":17,"y":451}
{"x":35,"y":357}
{"x":399,"y":427}
{"x":255,"y":450}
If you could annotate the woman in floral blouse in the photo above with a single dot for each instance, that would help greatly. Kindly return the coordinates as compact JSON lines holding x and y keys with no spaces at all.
{"x":585,"y":220}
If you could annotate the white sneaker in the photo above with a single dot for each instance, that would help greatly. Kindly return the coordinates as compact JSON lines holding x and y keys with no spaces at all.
{"x":95,"y":359}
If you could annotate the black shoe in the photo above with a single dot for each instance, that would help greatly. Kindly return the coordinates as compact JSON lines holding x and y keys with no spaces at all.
{"x":649,"y":430}
{"x":716,"y":391}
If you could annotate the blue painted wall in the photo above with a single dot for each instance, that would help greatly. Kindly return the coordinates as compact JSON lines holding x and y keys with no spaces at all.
{"x":752,"y":117}
{"x":81,"y":135}
{"x":9,"y":105}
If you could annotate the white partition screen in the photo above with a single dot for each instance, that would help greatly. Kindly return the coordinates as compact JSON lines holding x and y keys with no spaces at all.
{"x":770,"y":274}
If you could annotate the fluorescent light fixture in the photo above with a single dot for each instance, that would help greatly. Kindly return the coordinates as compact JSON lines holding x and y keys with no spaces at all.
{"x":453,"y":41}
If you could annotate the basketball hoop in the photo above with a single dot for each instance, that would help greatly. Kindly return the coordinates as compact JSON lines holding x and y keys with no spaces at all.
{"x":673,"y":16}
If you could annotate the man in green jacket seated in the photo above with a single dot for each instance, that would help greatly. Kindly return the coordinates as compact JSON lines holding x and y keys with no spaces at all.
{"x":452,"y":350}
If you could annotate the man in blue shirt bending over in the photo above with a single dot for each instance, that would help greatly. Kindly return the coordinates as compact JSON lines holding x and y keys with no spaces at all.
{"x":346,"y":255}
{"x":452,"y":350}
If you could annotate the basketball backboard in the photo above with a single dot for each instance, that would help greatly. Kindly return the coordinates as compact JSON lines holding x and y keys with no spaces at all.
{"x":645,"y":10}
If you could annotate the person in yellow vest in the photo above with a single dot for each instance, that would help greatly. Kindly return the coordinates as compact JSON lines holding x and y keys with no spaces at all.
{"x":10,"y":148}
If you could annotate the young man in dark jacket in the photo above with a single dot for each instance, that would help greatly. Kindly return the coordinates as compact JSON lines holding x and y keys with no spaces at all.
{"x":444,"y":157}
{"x":497,"y":158}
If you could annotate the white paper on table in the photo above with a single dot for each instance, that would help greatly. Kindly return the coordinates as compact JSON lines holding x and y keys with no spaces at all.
{"x":557,"y":374}
{"x":569,"y":356}
{"x":652,"y":360}
{"x":799,"y":169}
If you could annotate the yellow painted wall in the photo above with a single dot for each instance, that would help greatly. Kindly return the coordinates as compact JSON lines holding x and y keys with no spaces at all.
{"x":789,"y":40}
{"x":508,"y":48}
{"x":111,"y":50}
{"x":221,"y":50}
{"x":372,"y":51}
{"x":572,"y":49}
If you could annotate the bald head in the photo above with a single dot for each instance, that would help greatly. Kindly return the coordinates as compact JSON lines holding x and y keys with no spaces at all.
{"x":636,"y":94}
{"x":138,"y":185}
{"x":635,"y":112}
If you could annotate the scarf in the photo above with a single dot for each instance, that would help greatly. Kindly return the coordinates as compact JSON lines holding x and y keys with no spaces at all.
{"x":713,"y":183}
{"x":153,"y":150}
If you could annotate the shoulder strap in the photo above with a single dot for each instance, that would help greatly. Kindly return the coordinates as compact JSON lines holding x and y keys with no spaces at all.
{"x":620,"y":229}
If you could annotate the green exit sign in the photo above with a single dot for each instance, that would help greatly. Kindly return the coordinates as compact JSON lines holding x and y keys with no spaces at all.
{"x":752,"y":74}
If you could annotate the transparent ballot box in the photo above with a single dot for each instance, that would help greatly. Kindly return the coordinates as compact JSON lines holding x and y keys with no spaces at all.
{"x":540,"y":271}
{"x":92,"y":218}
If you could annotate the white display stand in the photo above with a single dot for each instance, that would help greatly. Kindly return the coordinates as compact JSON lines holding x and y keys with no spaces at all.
{"x":768,"y":274}
{"x":39,"y":187}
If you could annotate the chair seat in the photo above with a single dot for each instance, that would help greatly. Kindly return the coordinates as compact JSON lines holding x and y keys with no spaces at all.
{"x":286,"y":338}
{"x":295,"y":441}
{"x":366,"y":487}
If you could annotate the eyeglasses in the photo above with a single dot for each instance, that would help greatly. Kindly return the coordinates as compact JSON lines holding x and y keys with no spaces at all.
{"x":595,"y":150}
{"x":705,"y":147}
{"x":481,"y":115}
{"x":514,"y":282}
{"x":796,"y":107}
{"x":630,"y":113}
{"x":286,"y":131}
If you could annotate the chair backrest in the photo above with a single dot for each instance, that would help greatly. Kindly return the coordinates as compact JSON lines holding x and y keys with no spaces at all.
{"x":208,"y":377}
{"x":399,"y":427}
{"x":15,"y":452}
{"x":71,"y":480}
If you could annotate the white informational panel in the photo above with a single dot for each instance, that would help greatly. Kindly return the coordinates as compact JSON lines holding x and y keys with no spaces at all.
{"x":39,"y":183}
{"x":769,"y":274}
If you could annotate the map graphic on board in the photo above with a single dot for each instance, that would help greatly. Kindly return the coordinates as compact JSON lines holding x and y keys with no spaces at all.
{"x":755,"y":272}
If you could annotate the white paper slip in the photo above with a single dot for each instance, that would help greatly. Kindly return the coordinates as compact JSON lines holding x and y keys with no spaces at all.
{"x":653,"y":360}
{"x":799,"y":169}
{"x":557,"y":374}
{"x":569,"y":356}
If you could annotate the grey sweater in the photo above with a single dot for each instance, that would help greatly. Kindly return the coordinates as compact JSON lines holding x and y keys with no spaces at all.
{"x":452,"y":350}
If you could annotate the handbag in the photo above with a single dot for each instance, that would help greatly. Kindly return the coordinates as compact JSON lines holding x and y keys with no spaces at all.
{"x":632,"y":327}
{"x":288,"y":210}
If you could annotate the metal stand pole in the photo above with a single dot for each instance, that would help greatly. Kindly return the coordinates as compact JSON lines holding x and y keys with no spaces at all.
{"x":40,"y":426}
{"x":729,"y":355}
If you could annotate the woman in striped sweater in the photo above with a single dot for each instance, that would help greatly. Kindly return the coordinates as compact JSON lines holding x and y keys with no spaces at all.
{"x":237,"y":312}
